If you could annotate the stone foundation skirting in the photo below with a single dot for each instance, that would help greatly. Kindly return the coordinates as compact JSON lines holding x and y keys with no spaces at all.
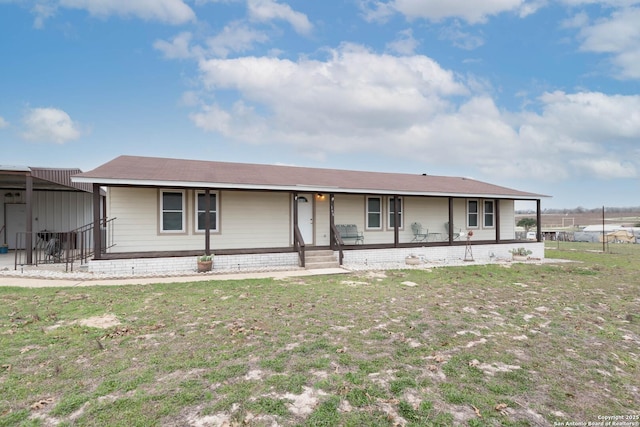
{"x":435,"y":255}
{"x":169,"y":265}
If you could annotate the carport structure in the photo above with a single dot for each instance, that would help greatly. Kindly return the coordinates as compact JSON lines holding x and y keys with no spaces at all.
{"x":37,"y":199}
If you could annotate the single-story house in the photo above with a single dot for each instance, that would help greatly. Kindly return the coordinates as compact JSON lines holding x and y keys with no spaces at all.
{"x":43,"y":202}
{"x":163,"y":212}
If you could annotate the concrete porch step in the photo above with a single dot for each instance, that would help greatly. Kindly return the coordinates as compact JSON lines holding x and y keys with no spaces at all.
{"x":320,"y":259}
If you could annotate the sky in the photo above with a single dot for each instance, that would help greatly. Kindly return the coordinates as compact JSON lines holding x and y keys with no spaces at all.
{"x":537,"y":95}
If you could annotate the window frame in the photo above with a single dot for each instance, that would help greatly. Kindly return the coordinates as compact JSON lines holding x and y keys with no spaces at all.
{"x":380,"y":213}
{"x":476,"y":213}
{"x":215,"y":228}
{"x":390,"y":216}
{"x":162,"y":210}
{"x":486,"y":214}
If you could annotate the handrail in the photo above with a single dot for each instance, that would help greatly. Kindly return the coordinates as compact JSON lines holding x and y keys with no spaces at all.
{"x":60,"y":247}
{"x":337,"y":239}
{"x":298,"y":244}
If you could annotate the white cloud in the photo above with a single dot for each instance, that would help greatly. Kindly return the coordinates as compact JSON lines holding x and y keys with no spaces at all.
{"x":460,"y":38}
{"x":173,"y":12}
{"x":178,"y":48}
{"x":3,"y":123}
{"x":43,"y":11}
{"x":404,"y":44}
{"x":235,"y":37}
{"x":410,"y":107}
{"x":50,"y":125}
{"x":618,"y":35}
{"x":267,"y":10}
{"x":607,"y":168}
{"x":472,"y":12}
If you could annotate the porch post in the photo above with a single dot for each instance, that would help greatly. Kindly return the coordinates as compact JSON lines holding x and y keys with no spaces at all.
{"x":538,"y":221}
{"x":451,"y":220}
{"x":97,"y":232}
{"x":207,"y":220}
{"x":295,"y":211}
{"x":332,"y":220}
{"x":28,"y":241}
{"x":497,"y":204}
{"x":396,"y":216}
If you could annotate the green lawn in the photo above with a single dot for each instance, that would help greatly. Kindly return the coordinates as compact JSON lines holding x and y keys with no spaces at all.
{"x":512,"y":345}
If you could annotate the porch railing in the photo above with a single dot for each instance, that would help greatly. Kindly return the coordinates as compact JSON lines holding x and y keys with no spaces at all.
{"x":56,"y":247}
{"x":298,"y":244}
{"x":336,"y":242}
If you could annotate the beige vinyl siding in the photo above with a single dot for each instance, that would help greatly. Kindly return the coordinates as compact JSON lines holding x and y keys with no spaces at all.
{"x":135,"y":227}
{"x":321,"y":220}
{"x":431,"y":212}
{"x":137,"y":211}
{"x":253,"y":220}
{"x":507,"y":220}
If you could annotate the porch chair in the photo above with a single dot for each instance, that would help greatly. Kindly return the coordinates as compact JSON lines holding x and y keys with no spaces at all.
{"x":456,"y":233}
{"x":418,"y":234}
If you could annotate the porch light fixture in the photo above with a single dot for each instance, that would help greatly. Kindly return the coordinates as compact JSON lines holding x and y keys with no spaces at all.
{"x":320,"y":196}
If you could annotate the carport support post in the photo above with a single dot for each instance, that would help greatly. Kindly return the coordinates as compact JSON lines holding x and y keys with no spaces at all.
{"x":97,"y":232}
{"x":28,"y":241}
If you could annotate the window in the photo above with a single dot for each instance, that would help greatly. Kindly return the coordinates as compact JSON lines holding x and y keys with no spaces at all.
{"x":392,"y":211}
{"x":488,"y":213}
{"x":472,"y":213}
{"x":201,"y":211}
{"x":172,"y":211}
{"x":374,"y":213}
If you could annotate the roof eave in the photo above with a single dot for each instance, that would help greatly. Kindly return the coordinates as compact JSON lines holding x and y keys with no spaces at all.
{"x":294,"y":188}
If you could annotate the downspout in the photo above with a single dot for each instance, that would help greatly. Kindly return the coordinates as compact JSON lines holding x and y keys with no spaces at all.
{"x":97,"y":234}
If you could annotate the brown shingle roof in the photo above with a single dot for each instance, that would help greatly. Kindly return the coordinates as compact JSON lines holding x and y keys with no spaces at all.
{"x":137,"y":171}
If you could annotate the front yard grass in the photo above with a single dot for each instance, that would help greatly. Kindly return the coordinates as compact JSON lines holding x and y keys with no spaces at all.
{"x":514,"y":345}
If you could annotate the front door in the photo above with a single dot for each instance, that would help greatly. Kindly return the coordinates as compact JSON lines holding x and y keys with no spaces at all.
{"x":305,"y":217}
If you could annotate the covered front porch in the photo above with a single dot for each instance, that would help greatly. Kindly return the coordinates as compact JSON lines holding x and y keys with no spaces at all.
{"x":303,"y":223}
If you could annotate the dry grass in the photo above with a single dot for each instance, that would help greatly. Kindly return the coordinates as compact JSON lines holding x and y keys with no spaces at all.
{"x":478,"y":345}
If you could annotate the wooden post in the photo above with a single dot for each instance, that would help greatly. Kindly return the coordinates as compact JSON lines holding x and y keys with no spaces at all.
{"x":295,"y":210}
{"x":207,"y":221}
{"x":497,"y":219}
{"x":332,"y":220}
{"x":538,"y":221}
{"x":97,"y":230}
{"x":604,"y":236}
{"x":396,"y":217}
{"x":451,"y":220}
